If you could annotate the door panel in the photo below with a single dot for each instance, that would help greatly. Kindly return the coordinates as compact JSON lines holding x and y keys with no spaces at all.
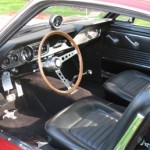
{"x":128,"y":47}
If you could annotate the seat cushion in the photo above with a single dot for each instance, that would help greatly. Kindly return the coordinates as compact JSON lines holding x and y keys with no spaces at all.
{"x":84,"y":125}
{"x":127,"y":84}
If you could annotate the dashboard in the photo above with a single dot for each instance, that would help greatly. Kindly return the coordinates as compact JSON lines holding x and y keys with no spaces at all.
{"x":81,"y":32}
{"x":24,"y":55}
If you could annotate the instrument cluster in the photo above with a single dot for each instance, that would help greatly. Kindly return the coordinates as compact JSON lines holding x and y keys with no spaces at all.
{"x":22,"y":55}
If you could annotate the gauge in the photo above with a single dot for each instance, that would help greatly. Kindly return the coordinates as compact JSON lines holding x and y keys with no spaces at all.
{"x":55,"y":21}
{"x":6,"y":61}
{"x":44,"y":49}
{"x":27,"y":53}
{"x":14,"y":57}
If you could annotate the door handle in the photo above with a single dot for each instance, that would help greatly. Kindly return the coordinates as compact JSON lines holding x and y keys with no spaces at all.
{"x":135,"y":44}
{"x":114,"y":40}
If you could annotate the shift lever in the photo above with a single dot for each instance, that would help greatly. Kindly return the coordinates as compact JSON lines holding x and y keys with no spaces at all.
{"x":87,"y":72}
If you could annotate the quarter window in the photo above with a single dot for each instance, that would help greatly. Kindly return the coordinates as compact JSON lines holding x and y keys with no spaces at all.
{"x":140,"y":22}
{"x":123,"y":18}
{"x":135,"y":21}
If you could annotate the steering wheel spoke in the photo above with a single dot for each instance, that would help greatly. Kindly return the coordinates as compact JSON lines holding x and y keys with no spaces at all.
{"x":67,"y":56}
{"x":63,"y":79}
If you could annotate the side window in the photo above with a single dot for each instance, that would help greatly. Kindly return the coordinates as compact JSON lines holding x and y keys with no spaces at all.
{"x":123,"y":18}
{"x":140,"y":22}
{"x":134,"y":21}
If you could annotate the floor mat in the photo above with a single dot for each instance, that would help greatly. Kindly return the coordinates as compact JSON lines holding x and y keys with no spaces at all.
{"x":28,"y":124}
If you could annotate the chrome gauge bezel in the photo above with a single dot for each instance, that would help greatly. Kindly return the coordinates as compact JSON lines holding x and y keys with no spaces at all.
{"x":26,"y":56}
{"x":13,"y":63}
{"x":21,"y":57}
{"x":55,"y":21}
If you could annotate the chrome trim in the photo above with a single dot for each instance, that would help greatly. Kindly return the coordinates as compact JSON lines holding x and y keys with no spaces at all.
{"x":52,"y":21}
{"x":52,"y":63}
{"x":63,"y":79}
{"x":135,"y":44}
{"x":25,"y":50}
{"x":114,"y":40}
{"x":14,"y":64}
{"x":21,"y":58}
{"x":67,"y":56}
{"x":122,"y":144}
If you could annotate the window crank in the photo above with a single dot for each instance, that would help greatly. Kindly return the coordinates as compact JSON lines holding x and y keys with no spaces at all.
{"x":135,"y":44}
{"x":114,"y":40}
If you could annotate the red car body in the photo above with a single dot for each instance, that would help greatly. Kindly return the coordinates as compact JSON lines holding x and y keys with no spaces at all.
{"x":138,"y":4}
{"x":5,"y":145}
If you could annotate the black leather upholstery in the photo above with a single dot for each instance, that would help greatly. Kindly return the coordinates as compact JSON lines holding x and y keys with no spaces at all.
{"x":127,"y":84}
{"x":84,"y":125}
{"x":91,"y":125}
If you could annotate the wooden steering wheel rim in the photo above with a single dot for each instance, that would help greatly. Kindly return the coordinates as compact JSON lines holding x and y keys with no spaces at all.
{"x":75,"y":86}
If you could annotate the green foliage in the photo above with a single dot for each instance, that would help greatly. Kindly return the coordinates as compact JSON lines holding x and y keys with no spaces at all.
{"x":140,"y":22}
{"x":9,"y":6}
{"x":65,"y":11}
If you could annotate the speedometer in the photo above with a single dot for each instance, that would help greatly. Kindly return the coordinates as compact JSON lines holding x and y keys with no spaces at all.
{"x":27,"y":53}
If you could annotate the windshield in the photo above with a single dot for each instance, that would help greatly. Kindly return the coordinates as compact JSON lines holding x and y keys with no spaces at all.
{"x":9,"y":8}
{"x":69,"y":14}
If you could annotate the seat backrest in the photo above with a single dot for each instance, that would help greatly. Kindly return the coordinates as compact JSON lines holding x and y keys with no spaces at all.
{"x":140,"y":105}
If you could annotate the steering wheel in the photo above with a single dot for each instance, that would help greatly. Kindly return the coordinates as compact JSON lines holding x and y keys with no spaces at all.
{"x":55,"y":63}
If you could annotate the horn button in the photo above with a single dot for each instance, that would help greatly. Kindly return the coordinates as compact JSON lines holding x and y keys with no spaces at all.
{"x":53,"y":63}
{"x":58,"y":63}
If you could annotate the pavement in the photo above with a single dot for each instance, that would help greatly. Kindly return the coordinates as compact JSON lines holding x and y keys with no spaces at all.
{"x":4,"y":19}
